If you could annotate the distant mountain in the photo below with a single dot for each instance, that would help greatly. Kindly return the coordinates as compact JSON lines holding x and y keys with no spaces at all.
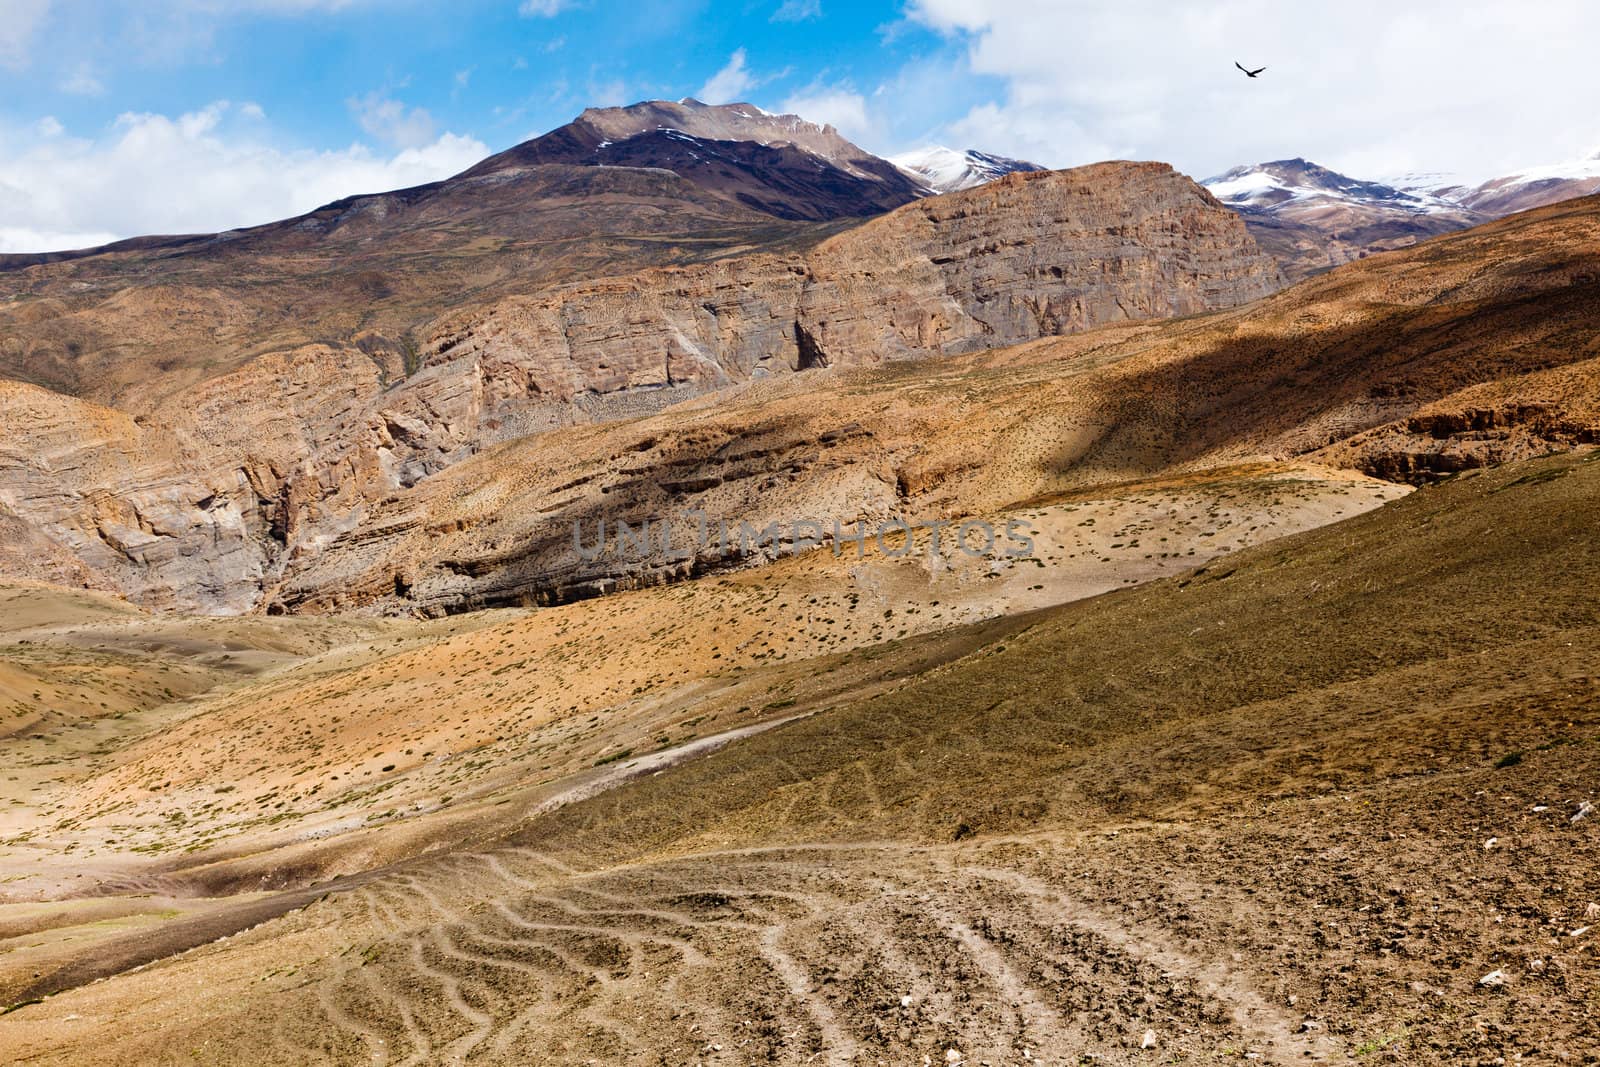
{"x":1535,"y":187}
{"x":1311,"y":218}
{"x":946,"y":170}
{"x":780,"y":165}
{"x":1442,"y":185}
{"x":1300,"y":187}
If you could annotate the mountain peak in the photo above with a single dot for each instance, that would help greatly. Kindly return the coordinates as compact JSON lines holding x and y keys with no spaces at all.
{"x":1267,"y":186}
{"x":740,"y":121}
{"x":948,"y":170}
{"x":781,"y":165}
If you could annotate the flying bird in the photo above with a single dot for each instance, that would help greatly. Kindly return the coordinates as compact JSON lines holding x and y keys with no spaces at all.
{"x":1247,"y":73}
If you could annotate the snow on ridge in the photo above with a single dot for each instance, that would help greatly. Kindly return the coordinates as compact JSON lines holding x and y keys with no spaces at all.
{"x":1265,"y":186}
{"x":1577,"y":170}
{"x":946,"y":170}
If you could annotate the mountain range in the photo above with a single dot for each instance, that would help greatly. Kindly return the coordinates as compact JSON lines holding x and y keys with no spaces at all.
{"x":1311,"y":218}
{"x":260,"y":393}
{"x":268,"y":391}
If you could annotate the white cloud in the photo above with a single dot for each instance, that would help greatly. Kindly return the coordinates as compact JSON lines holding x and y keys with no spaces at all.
{"x":19,"y":21}
{"x":195,"y":173}
{"x":610,"y":92}
{"x":22,"y":239}
{"x":837,"y":106}
{"x":390,"y":121}
{"x":543,"y":9}
{"x":797,"y":11}
{"x":729,"y":84}
{"x":82,"y":82}
{"x":1369,"y":86}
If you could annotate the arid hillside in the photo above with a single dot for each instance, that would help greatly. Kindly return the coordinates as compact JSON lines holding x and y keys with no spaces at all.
{"x":1471,"y":350}
{"x":203,"y":501}
{"x":1327,"y":799}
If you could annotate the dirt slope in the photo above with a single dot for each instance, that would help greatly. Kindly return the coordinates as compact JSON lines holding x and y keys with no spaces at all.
{"x":1296,"y":805}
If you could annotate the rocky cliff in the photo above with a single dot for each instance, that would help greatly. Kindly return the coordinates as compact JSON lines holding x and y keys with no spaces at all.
{"x":209,"y":499}
{"x":1471,"y":350}
{"x":1030,"y":255}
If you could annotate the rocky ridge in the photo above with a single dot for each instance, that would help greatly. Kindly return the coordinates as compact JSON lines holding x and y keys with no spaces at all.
{"x":208,"y":500}
{"x":1397,"y":367}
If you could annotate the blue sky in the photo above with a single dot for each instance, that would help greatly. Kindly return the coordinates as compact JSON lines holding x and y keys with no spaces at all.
{"x":499,"y":70}
{"x":120,"y":117}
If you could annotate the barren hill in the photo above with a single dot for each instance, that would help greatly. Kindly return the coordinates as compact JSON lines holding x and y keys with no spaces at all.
{"x":1468,"y":351}
{"x":212,"y":488}
{"x":612,"y":192}
{"x":1320,"y":801}
{"x":780,"y":165}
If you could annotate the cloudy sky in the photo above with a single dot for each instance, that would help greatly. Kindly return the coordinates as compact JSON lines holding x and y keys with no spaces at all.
{"x":120,"y":117}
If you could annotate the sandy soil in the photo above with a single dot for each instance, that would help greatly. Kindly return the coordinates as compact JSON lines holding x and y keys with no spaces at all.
{"x":1319,"y":800}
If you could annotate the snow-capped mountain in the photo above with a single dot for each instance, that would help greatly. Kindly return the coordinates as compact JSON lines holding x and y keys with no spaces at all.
{"x":1536,"y":187}
{"x":1312,"y":218}
{"x":946,"y":170}
{"x":1440,"y":184}
{"x":1300,"y":189}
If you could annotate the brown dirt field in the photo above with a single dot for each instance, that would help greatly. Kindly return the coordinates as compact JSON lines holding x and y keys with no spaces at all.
{"x":1294,"y":806}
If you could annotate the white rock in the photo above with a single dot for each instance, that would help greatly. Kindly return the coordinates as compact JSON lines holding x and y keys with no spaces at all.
{"x":1493,"y":841}
{"x":905,"y":1001}
{"x":1149,"y":1039}
{"x":1493,"y":979}
{"x":1579,"y":932}
{"x":952,"y":1055}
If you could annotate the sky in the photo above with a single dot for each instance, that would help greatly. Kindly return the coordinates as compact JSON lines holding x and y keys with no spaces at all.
{"x":122,"y":117}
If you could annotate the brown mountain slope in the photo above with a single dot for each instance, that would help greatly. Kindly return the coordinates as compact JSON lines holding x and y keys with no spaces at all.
{"x":132,"y":327}
{"x":780,"y":165}
{"x":1295,"y":806}
{"x":1473,"y":349}
{"x":268,"y":462}
{"x":611,"y":192}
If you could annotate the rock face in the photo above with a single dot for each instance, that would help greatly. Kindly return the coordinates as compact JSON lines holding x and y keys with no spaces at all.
{"x":1399,"y":366}
{"x":208,"y":500}
{"x":1031,"y":255}
{"x":143,"y":512}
